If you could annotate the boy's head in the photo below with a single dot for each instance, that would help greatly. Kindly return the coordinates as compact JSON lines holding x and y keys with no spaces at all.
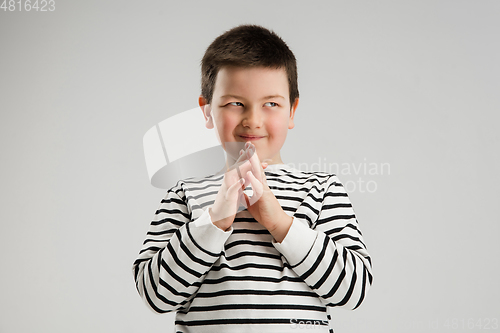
{"x":249,"y":77}
{"x":247,"y":46}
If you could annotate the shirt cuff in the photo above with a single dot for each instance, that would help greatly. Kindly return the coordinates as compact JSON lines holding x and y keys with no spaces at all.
{"x":207,"y":234}
{"x":297,"y":242}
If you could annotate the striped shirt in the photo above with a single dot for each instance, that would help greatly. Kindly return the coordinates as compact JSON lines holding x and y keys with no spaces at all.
{"x":242,"y":280}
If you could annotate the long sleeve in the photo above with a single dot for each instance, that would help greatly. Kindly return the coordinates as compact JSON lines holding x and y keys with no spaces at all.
{"x":329,"y":254}
{"x":176,"y":255}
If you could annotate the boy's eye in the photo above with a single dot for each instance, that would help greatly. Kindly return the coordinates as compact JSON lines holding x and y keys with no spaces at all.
{"x":275,"y":104}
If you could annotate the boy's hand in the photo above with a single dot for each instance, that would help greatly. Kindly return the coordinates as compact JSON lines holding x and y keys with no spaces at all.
{"x":263,"y":205}
{"x":229,"y":197}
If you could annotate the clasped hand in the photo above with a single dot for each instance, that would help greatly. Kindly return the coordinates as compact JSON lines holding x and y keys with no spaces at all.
{"x":262,"y":205}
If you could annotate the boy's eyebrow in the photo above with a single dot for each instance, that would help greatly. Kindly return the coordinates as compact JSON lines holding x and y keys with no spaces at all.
{"x":266,"y":97}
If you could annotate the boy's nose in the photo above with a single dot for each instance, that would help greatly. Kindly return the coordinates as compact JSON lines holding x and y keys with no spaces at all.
{"x":252,"y":117}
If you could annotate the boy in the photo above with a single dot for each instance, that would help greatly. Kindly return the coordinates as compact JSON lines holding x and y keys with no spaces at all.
{"x":293,"y":252}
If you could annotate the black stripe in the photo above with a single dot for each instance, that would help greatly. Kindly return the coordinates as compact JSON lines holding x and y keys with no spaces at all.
{"x":247,"y":242}
{"x":163,"y":232}
{"x":335,"y":217}
{"x":250,"y":278}
{"x":318,"y":259}
{"x":251,"y":231}
{"x":151,"y":248}
{"x":370,"y":277}
{"x":166,"y":285}
{"x":257,"y":307}
{"x":328,"y":271}
{"x":307,"y":205}
{"x":354,"y":247}
{"x":351,"y":286}
{"x":251,"y":254}
{"x":343,"y":236}
{"x":248,"y":265}
{"x":173,"y":211}
{"x":204,"y":194}
{"x":304,"y":217}
{"x":192,"y":256}
{"x":303,"y":189}
{"x":169,"y":220}
{"x":148,"y":240}
{"x":214,"y":184}
{"x":245,"y":321}
{"x":288,"y":198}
{"x":173,"y":274}
{"x":312,"y":177}
{"x":173,"y":200}
{"x":245,"y":219}
{"x":180,"y":263}
{"x":256,"y":292}
{"x":339,"y":205}
{"x":339,"y":229}
{"x":339,"y":279}
{"x":155,"y":289}
{"x":203,"y":206}
{"x":363,"y":284}
{"x":152,"y":305}
{"x":299,"y":199}
{"x":335,"y":194}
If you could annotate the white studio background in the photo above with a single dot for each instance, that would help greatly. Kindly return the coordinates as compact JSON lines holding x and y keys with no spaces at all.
{"x":401,"y":96}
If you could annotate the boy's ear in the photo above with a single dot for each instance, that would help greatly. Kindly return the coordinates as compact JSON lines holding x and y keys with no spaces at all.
{"x":207,"y":112}
{"x":291,"y":124}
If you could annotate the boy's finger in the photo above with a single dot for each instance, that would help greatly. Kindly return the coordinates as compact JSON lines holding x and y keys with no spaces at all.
{"x":240,"y":159}
{"x":256,"y":186}
{"x":242,"y":167}
{"x":245,"y":156}
{"x":235,"y":170}
{"x":255,"y":182}
{"x":234,"y":188}
{"x":255,"y":162}
{"x":246,"y":200}
{"x":232,"y":196}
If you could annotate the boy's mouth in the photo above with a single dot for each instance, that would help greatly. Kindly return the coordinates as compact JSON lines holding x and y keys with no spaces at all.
{"x":251,"y":137}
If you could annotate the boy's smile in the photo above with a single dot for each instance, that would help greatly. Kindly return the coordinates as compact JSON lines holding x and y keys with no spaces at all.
{"x":251,"y":104}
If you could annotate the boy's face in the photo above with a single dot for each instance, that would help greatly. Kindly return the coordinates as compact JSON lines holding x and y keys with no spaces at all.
{"x":251,"y":104}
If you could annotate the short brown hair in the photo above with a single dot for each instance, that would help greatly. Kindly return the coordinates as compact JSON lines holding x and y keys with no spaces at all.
{"x":247,"y":45}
